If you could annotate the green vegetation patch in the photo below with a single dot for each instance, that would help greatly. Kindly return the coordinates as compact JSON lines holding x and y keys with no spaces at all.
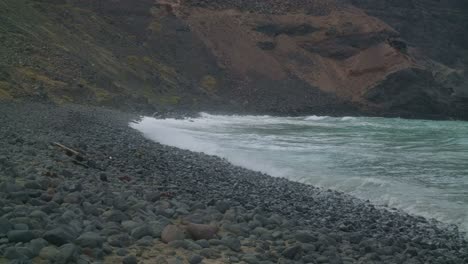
{"x":5,"y":95}
{"x":209,"y":83}
{"x":169,"y":100}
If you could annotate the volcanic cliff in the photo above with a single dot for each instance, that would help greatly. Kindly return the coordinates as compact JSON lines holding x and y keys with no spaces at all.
{"x":390,"y":58}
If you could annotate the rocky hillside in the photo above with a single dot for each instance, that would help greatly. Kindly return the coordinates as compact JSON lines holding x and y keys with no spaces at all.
{"x":405,"y":58}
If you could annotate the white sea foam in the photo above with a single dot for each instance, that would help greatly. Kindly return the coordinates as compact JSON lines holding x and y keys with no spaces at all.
{"x":315,"y":118}
{"x":406,"y":164}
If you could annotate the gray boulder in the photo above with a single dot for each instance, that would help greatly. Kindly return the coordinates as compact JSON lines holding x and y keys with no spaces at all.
{"x":200,"y":231}
{"x":292,"y":251}
{"x":141,"y":231}
{"x":130,"y":260}
{"x":13,"y":253}
{"x":37,"y":244}
{"x":50,"y":253}
{"x":171,"y":233}
{"x":5,"y":226}
{"x":90,"y":239}
{"x":59,"y":236}
{"x":305,"y":237}
{"x":115,"y":216}
{"x":67,"y":253}
{"x":120,"y":240}
{"x":232,"y":243}
{"x":20,"y":236}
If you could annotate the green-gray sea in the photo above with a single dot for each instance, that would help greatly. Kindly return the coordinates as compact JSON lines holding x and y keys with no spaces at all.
{"x":418,"y":166}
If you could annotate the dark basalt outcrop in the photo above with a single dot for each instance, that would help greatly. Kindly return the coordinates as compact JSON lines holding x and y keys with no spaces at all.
{"x":400,"y":58}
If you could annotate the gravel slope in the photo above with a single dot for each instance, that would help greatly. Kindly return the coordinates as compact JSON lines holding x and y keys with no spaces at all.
{"x":125,"y":199}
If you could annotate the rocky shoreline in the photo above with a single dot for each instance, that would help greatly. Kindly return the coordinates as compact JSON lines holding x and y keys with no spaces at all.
{"x":78,"y":185}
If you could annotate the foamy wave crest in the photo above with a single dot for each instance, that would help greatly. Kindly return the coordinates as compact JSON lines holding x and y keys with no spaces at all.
{"x":378,"y":159}
{"x":348,"y":118}
{"x":166,"y":132}
{"x":315,"y":118}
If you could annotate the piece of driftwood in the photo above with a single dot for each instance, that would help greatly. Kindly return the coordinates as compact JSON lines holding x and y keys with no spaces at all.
{"x":68,"y":151}
{"x":71,"y":152}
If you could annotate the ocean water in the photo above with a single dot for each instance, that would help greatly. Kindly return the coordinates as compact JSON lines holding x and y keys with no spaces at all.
{"x":417,"y":166}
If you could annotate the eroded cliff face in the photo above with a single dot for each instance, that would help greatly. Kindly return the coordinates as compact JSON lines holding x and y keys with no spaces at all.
{"x":316,"y":56}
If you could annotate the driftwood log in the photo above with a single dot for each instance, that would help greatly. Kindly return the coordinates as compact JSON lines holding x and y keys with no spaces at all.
{"x":79,"y":158}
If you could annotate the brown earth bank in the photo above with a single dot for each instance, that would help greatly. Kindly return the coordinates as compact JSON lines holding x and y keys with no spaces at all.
{"x":341,"y":57}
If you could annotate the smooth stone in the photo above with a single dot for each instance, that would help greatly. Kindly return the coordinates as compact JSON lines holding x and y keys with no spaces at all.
{"x":130,"y":260}
{"x":84,"y":259}
{"x":305,"y":237}
{"x":232,"y":243}
{"x":111,"y":228}
{"x":309,"y":258}
{"x":250,"y":258}
{"x":20,"y":227}
{"x":308,"y":248}
{"x":38,"y":214}
{"x":26,"y":252}
{"x":121,"y":252}
{"x":33,"y":185}
{"x":223,"y":206}
{"x":145,"y":241}
{"x":322,"y":259}
{"x":141,"y":231}
{"x":200,"y":231}
{"x":237,"y":229}
{"x":50,"y":253}
{"x":120,"y":240}
{"x":90,"y":239}
{"x":292,"y":251}
{"x":103,"y":177}
{"x":13,"y":253}
{"x":158,"y":226}
{"x":172,"y":233}
{"x":195,"y":259}
{"x":37,"y":244}
{"x":115,"y":216}
{"x":186,"y":244}
{"x":67,"y":252}
{"x":58,"y":236}
{"x":129,"y":225}
{"x":203,"y":243}
{"x":72,"y":198}
{"x":209,"y":253}
{"x":175,"y":260}
{"x":6,"y":187}
{"x":20,"y":236}
{"x":5,"y":226}
{"x":215,"y":242}
{"x":90,"y":209}
{"x":153,"y":196}
{"x":107,"y":249}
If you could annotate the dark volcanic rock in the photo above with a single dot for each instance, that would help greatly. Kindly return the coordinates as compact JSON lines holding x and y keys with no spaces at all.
{"x":59,"y":236}
{"x":5,"y":226}
{"x":90,"y":239}
{"x":20,"y":236}
{"x":121,"y":240}
{"x":200,"y":231}
{"x":171,"y":233}
{"x":292,"y":251}
{"x":141,"y":231}
{"x":130,"y":260}
{"x":262,"y":220}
